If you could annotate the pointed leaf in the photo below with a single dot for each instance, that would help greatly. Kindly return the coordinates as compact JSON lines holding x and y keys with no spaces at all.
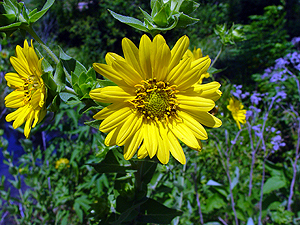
{"x":39,"y":14}
{"x":129,"y":21}
{"x":60,"y":77}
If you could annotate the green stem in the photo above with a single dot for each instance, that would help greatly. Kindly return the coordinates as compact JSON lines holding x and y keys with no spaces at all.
{"x":44,"y":46}
{"x":219,"y":53}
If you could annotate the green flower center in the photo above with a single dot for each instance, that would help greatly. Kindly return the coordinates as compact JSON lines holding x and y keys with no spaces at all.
{"x":156,"y":100}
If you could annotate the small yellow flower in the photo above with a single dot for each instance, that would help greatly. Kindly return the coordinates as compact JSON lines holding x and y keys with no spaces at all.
{"x":158,"y":99}
{"x":62,"y":163}
{"x":237,"y":111}
{"x":196,"y":54}
{"x":29,"y":95}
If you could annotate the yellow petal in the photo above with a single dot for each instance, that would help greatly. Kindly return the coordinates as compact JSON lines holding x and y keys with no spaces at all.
{"x":110,"y":57}
{"x":132,"y":124}
{"x":115,"y":119}
{"x":150,"y":137}
{"x":195,"y":103}
{"x":190,"y":78}
{"x":14,"y":79}
{"x":176,"y":149}
{"x":197,"y":129}
{"x":22,"y":116}
{"x":12,"y":116}
{"x":178,"y":51}
{"x":15,"y":99}
{"x":21,"y":68}
{"x":131,"y":54}
{"x":145,"y":56}
{"x":108,"y":72}
{"x":130,"y":76}
{"x":142,"y":152}
{"x":111,"y":94}
{"x":28,"y":124}
{"x":163,"y":151}
{"x":109,"y":110}
{"x":132,"y":144}
{"x":182,"y":132}
{"x":160,"y":57}
{"x":182,"y":68}
{"x":111,"y":137}
{"x":205,"y":118}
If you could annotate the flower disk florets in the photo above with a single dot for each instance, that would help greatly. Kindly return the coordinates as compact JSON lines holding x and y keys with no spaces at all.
{"x":156,"y":100}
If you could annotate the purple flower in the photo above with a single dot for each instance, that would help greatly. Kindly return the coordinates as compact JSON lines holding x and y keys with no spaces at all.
{"x":295,"y":40}
{"x":277,"y":142}
{"x":249,"y":113}
{"x":280,"y":63}
{"x":255,"y":98}
{"x":237,"y":92}
{"x":294,"y":57}
{"x":280,"y":95}
{"x":278,"y":76}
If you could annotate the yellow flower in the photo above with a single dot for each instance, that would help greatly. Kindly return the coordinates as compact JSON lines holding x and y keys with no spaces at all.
{"x":30,"y":93}
{"x":196,"y":54}
{"x":62,"y":163}
{"x":237,"y":111}
{"x":157,"y":100}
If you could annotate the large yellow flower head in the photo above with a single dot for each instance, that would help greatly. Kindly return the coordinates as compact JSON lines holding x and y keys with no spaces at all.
{"x":237,"y":111}
{"x":29,"y":95}
{"x":158,"y":99}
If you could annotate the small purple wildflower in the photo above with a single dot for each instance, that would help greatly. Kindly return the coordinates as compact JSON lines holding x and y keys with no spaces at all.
{"x":280,"y":63}
{"x":280,"y":95}
{"x":278,"y":76}
{"x":295,"y":40}
{"x":277,"y":142}
{"x":255,"y":98}
{"x":237,"y":92}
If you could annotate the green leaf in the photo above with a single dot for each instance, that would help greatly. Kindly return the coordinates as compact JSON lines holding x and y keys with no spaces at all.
{"x":94,"y":123}
{"x":38,"y":15}
{"x":274,"y":183}
{"x":48,"y":80}
{"x":185,"y":20}
{"x":59,"y":77}
{"x":235,"y":180}
{"x":6,"y":19}
{"x":110,"y":164}
{"x":105,"y":83}
{"x":91,"y":74}
{"x":66,"y":96}
{"x":155,"y":212}
{"x":188,"y":6}
{"x":146,"y":15}
{"x":161,"y":18}
{"x":156,"y":6}
{"x":82,"y":78}
{"x":129,"y":21}
{"x":214,"y":202}
{"x":70,"y":64}
{"x":129,"y":209}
